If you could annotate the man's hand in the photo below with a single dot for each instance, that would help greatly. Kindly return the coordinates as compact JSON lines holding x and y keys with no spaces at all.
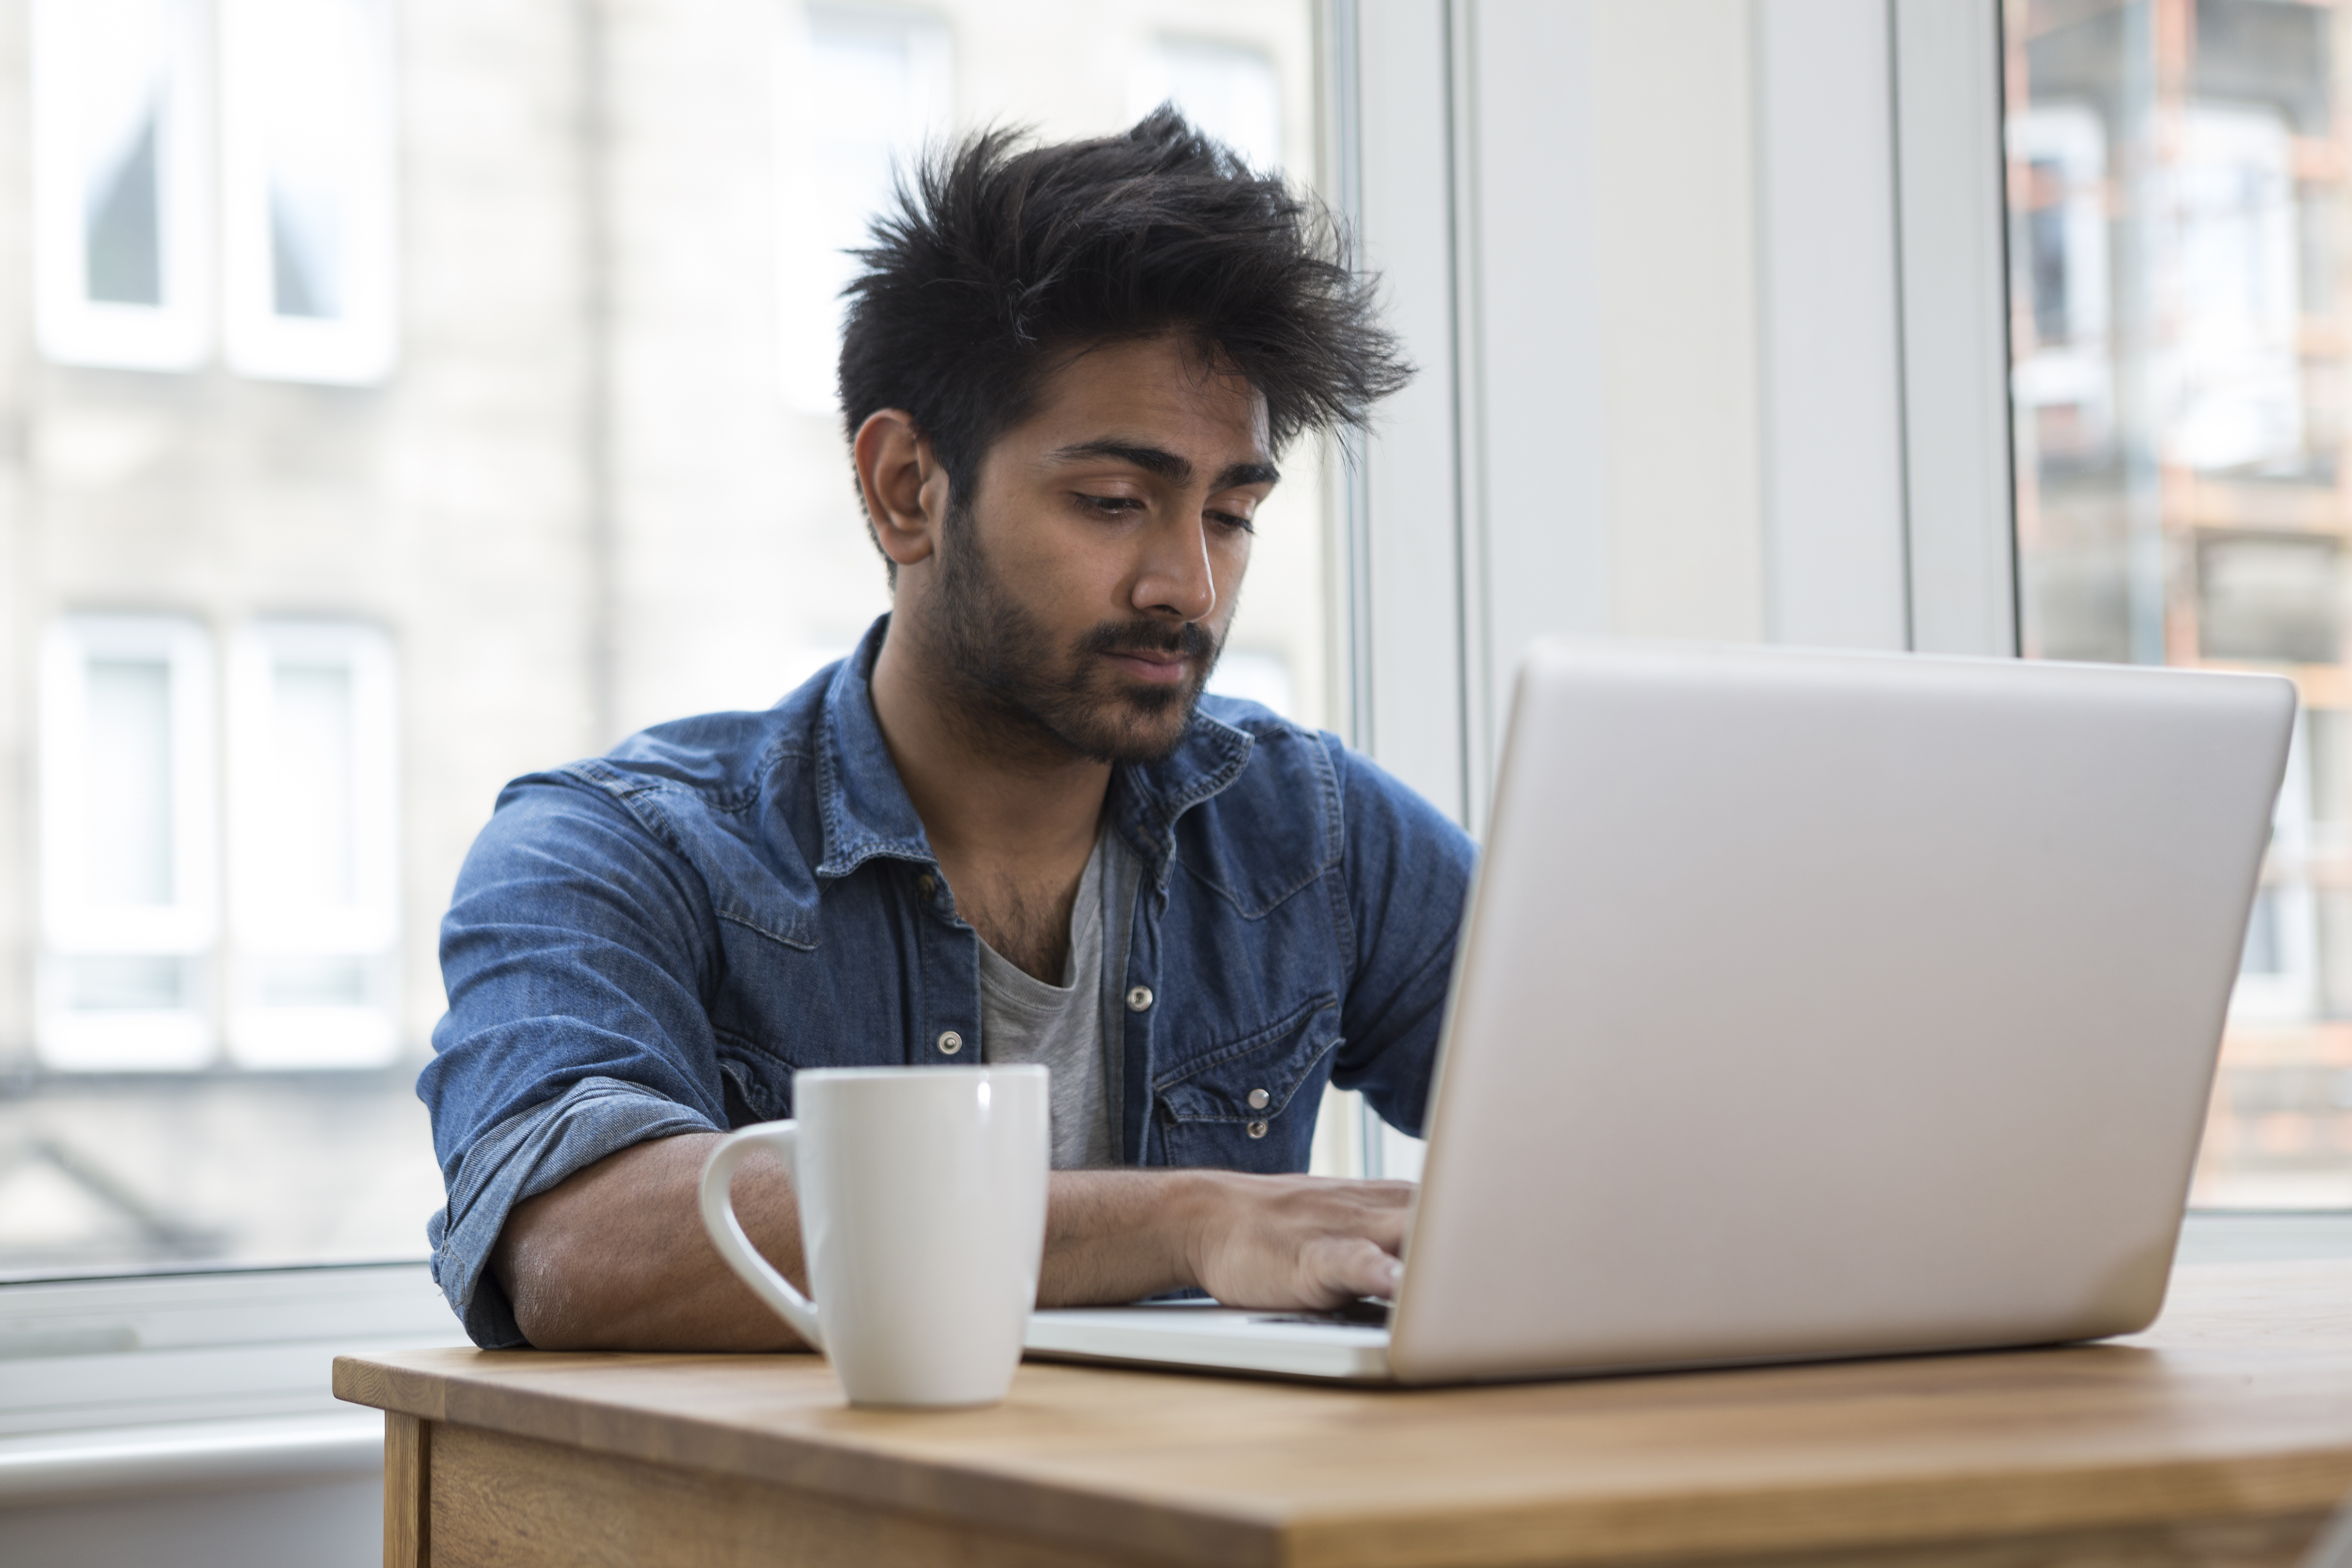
{"x":615,"y":1257}
{"x":1282,"y":1242}
{"x":1301,"y":1241}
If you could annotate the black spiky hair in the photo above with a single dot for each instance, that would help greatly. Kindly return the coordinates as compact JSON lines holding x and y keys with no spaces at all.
{"x":1001,"y":255}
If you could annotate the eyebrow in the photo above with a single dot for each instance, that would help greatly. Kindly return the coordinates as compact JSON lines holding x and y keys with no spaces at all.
{"x":1168,"y":465}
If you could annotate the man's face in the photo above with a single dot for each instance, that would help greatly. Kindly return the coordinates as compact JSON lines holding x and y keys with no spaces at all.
{"x":1084,"y":590}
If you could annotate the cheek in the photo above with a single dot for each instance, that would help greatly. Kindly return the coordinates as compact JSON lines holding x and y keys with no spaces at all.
{"x":1054,"y":565}
{"x":1227,"y":562}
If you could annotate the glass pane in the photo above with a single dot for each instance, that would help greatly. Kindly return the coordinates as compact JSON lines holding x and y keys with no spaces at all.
{"x":115,"y":212}
{"x":313,"y":77}
{"x":313,"y":982}
{"x":307,"y":168}
{"x":120,"y":93}
{"x":311,"y":851}
{"x":128,"y":768}
{"x":2177,"y":236}
{"x":124,"y":242}
{"x":128,"y":982}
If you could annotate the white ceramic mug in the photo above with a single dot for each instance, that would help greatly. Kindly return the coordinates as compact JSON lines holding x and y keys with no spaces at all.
{"x":922,"y":1201}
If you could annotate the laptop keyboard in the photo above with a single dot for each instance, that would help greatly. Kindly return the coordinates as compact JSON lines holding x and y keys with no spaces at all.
{"x":1363,"y":1312}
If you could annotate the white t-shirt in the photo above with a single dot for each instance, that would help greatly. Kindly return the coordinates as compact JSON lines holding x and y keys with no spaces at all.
{"x":1073,"y":1029}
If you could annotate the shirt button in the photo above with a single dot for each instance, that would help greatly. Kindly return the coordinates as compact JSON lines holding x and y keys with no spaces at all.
{"x":1139,"y":998}
{"x":950,"y":1043}
{"x":1257,"y":1129}
{"x":1257,"y":1099}
{"x":929,"y":884}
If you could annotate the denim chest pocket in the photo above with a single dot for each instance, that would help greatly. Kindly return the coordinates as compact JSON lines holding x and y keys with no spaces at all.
{"x":1251,"y":1105}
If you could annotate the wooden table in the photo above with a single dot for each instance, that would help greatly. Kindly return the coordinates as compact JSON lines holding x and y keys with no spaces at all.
{"x":2222,"y":1437}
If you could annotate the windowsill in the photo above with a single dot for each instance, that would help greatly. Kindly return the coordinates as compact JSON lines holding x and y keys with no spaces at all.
{"x":197,"y":1380}
{"x":172,"y":1348}
{"x":208,"y":1456}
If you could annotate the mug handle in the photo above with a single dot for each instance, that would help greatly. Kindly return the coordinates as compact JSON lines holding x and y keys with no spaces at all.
{"x":727,"y":1231}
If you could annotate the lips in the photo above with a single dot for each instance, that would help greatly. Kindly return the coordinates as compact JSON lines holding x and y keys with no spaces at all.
{"x":1160,"y":669}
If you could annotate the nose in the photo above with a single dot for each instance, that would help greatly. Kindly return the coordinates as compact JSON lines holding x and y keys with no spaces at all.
{"x":1175,"y":578}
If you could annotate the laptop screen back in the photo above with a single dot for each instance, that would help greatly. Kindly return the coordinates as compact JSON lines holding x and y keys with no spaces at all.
{"x":1830,"y":1004}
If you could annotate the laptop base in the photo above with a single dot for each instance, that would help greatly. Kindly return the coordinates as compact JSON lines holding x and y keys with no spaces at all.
{"x":1205,"y":1336}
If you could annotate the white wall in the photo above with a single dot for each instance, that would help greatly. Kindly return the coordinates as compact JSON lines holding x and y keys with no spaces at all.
{"x":1673,"y":383}
{"x":1671,"y":226}
{"x":1830,"y":358}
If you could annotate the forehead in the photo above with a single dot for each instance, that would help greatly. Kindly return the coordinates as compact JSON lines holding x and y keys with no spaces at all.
{"x":1162,"y":387}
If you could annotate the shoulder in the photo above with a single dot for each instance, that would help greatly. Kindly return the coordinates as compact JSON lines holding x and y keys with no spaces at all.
{"x":1275,"y":743}
{"x":690,"y":784}
{"x":1304,"y":801}
{"x":1292,"y":769}
{"x":724,"y":761}
{"x":1290,"y":774}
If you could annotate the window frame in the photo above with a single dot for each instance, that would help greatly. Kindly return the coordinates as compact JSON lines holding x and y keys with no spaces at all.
{"x":364,"y":1034}
{"x":73,"y":923}
{"x":360,"y":346}
{"x":70,"y":328}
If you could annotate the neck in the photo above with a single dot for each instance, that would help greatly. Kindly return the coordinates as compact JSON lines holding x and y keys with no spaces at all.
{"x":984,"y":792}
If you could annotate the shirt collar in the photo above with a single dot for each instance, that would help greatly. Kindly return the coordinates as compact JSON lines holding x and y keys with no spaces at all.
{"x":867,"y":813}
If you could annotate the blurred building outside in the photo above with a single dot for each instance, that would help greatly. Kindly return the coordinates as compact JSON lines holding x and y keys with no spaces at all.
{"x":398,"y":396}
{"x":2181,"y":254}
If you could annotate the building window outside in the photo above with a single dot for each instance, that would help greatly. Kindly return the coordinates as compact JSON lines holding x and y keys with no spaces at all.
{"x":862,"y":89}
{"x":127,"y":120}
{"x":313,"y":878}
{"x":132,"y":837}
{"x":2179,"y":252}
{"x":120,"y":194}
{"x":130,"y":877}
{"x":306,"y":186}
{"x":152,"y":1133}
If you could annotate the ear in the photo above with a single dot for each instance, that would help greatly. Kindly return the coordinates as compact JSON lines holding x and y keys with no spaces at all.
{"x":905,"y":487}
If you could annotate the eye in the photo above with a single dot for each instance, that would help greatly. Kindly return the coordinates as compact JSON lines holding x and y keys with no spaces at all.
{"x":1233,"y":522}
{"x":1108,"y":505}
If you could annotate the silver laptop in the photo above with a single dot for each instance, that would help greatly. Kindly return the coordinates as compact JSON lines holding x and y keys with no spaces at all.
{"x":1808,"y":1005}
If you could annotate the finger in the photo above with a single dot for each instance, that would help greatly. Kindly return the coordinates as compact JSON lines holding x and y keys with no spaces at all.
{"x":1384,"y":1228}
{"x":1345,"y":1269}
{"x":1368,"y":1194}
{"x":1389,"y":1193}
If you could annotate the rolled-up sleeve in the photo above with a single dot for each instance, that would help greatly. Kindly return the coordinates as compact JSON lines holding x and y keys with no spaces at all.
{"x":576,"y":952}
{"x":521,"y":1158}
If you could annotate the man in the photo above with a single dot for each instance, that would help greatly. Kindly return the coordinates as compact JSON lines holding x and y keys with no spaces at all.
{"x":1008,"y":828}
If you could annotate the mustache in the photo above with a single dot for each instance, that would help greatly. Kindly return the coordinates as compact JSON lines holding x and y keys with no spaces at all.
{"x":1149,"y":637}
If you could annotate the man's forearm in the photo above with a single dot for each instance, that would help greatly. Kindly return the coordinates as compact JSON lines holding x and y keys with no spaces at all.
{"x":615,"y":1257}
{"x":1120,"y":1235}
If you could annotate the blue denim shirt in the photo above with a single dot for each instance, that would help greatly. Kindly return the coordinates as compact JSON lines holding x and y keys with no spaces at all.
{"x":653,"y":941}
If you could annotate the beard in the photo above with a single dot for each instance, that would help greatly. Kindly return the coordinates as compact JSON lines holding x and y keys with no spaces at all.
{"x":1014,"y":684}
